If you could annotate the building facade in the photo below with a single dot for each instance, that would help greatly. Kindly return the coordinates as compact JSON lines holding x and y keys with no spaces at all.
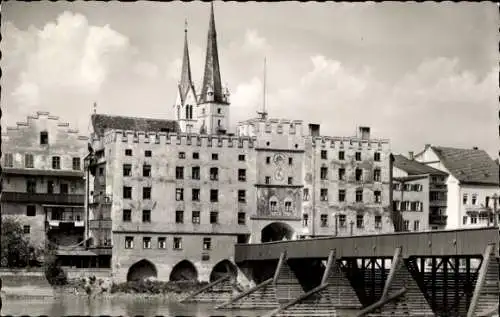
{"x":419,"y":194}
{"x":43,"y":184}
{"x":170,"y":198}
{"x":472,"y":184}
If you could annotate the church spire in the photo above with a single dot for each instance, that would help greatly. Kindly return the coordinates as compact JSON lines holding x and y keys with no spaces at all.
{"x":186,"y":81}
{"x":211,"y":90}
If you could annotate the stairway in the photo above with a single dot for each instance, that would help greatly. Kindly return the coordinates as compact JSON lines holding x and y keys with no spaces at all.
{"x":489,"y":296}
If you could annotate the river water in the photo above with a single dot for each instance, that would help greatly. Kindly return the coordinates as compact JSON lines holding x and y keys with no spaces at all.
{"x":73,"y":305}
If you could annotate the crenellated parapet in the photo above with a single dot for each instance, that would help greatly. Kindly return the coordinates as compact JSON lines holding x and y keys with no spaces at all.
{"x":270,"y":127}
{"x":350,"y":143}
{"x":179,"y":139}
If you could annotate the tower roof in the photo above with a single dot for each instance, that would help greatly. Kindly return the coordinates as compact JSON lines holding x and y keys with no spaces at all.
{"x":211,"y":77}
{"x":186,"y":81}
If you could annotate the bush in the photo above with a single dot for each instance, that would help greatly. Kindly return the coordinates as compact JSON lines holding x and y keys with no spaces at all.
{"x":155,"y":287}
{"x":17,"y":251}
{"x":53,"y":271}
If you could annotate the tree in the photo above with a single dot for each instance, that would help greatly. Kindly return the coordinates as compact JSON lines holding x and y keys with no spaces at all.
{"x":17,"y":250}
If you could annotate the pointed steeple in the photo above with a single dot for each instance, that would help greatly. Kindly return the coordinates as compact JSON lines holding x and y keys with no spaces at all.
{"x":211,"y":78}
{"x":186,"y":82}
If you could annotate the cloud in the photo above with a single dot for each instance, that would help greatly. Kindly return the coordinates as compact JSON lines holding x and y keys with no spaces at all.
{"x":254,"y":42}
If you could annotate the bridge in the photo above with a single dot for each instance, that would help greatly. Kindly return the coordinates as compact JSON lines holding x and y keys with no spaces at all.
{"x":437,"y":273}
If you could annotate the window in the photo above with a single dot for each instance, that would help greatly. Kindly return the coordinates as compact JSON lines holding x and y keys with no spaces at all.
{"x":288,"y":206}
{"x":406,"y":225}
{"x":487,"y":202}
{"x":305,"y":220}
{"x":101,"y":171}
{"x":127,"y":215}
{"x":215,"y":156}
{"x":290,"y":180}
{"x":214,"y":217}
{"x":63,"y":188}
{"x":474,"y":199}
{"x":273,"y":205}
{"x":323,"y":173}
{"x":342,"y":174}
{"x":377,"y":196}
{"x":360,"y":221}
{"x":378,"y":222}
{"x":26,"y":229}
{"x":473,"y":219}
{"x":207,"y":244}
{"x":359,"y":195}
{"x":358,"y":156}
{"x":342,"y":221}
{"x":179,"y":194}
{"x":146,"y":193}
{"x":195,"y":172}
{"x":56,"y":162}
{"x":341,"y":195}
{"x":214,"y":173}
{"x":416,"y":225}
{"x":129,"y":242}
{"x":218,"y":110}
{"x":464,"y":220}
{"x":76,"y":164}
{"x":195,"y":217}
{"x":324,"y":220}
{"x":179,"y":172}
{"x":147,"y":153}
{"x":376,"y":175}
{"x":31,"y":210}
{"x":196,"y":155}
{"x":179,"y":216}
{"x":242,"y":196}
{"x":146,"y":216}
{"x":376,"y":156}
{"x":28,"y":161}
{"x":50,"y":187}
{"x":242,"y":175}
{"x":162,"y":242}
{"x":31,"y":186}
{"x":127,"y":192}
{"x":268,"y":180}
{"x":323,"y":194}
{"x":465,"y":199}
{"x":177,"y":243}
{"x":182,"y":155}
{"x":241,"y":157}
{"x":305,"y":194}
{"x":214,"y":195}
{"x":8,"y":160}
{"x":146,"y":170}
{"x":44,"y":137}
{"x":195,"y":194}
{"x":341,"y":155}
{"x":146,"y":242}
{"x":324,"y":154}
{"x":290,"y":160}
{"x":359,"y":174}
{"x":127,"y":170}
{"x":268,"y":160}
{"x":241,"y":218}
{"x":128,"y":152}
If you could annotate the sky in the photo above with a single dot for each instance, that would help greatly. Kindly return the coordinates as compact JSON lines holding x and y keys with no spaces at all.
{"x":416,"y":73}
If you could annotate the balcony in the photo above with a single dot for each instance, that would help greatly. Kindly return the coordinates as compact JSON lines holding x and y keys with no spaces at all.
{"x":56,"y":224}
{"x":437,"y":203}
{"x":100,"y":224}
{"x":101,"y":249}
{"x":439,"y":220}
{"x":45,"y":198}
{"x":43,"y":172}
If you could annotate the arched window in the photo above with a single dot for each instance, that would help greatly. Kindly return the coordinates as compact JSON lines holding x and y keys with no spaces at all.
{"x":273,"y":204}
{"x":187,"y":112}
{"x":190,"y":112}
{"x":218,"y":123}
{"x":288,"y":205}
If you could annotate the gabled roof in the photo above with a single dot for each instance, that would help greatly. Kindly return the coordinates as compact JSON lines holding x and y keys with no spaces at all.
{"x":471,"y":166}
{"x":413,"y":167}
{"x":102,"y":122}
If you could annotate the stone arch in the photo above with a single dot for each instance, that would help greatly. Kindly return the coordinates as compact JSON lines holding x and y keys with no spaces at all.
{"x":141,"y":270}
{"x":184,"y":271}
{"x":223,"y":268}
{"x":277,"y":231}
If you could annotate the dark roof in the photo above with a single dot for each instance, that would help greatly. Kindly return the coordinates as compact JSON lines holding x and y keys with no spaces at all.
{"x":102,"y":122}
{"x":413,"y":167}
{"x":469,"y":165}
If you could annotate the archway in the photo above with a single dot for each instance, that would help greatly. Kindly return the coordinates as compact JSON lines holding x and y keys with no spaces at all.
{"x":141,"y":270}
{"x":184,"y":271}
{"x":223,"y":268}
{"x":277,"y":231}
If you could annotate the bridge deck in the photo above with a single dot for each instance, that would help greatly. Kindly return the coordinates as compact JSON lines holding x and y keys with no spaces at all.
{"x":432,"y":243}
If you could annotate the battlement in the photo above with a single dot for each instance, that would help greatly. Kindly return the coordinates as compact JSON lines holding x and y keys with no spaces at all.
{"x":271,"y":126}
{"x":350,"y":142}
{"x":186,"y":139}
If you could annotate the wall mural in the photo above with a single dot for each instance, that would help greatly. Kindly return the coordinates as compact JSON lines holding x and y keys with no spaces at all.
{"x":278,"y":202}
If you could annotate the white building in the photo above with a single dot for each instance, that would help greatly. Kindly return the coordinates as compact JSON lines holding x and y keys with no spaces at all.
{"x":473,"y":181}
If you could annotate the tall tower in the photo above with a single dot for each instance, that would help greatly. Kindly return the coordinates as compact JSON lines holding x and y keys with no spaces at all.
{"x":213,"y":102}
{"x":185,"y":104}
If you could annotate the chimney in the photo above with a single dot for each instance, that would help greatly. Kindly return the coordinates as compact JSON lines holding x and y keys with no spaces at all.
{"x":364,"y":133}
{"x":474,"y":148}
{"x":410,"y":155}
{"x":314,"y":130}
{"x":427,"y":146}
